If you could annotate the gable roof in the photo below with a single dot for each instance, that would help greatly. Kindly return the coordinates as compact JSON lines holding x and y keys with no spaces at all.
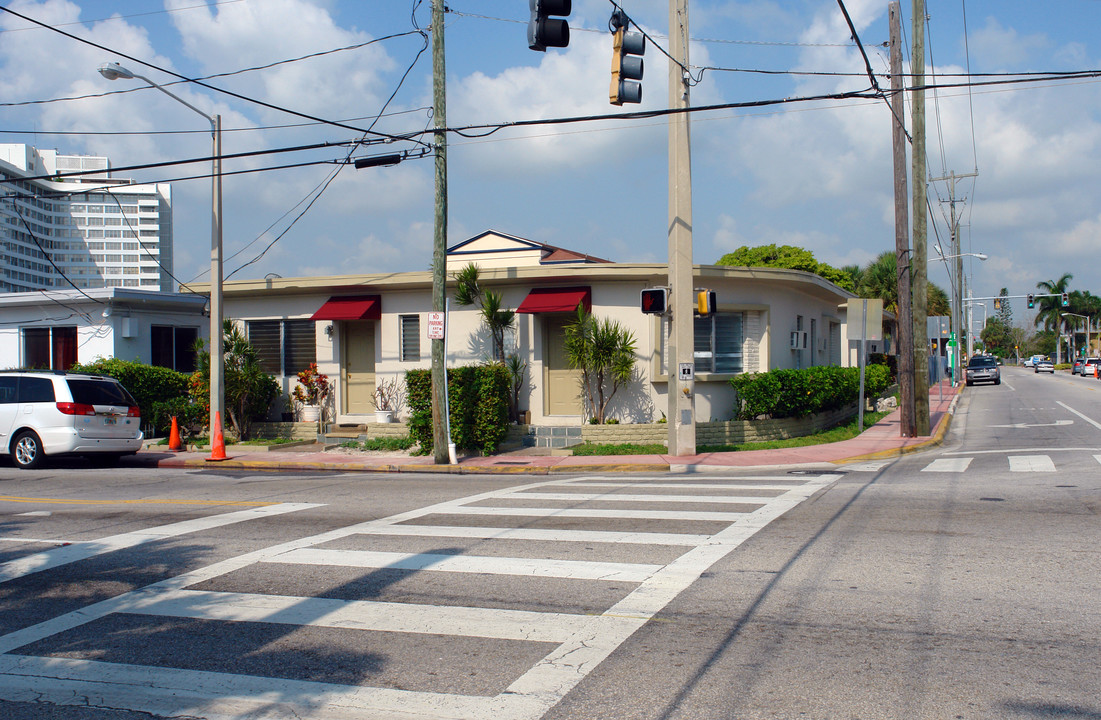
{"x":499,"y":248}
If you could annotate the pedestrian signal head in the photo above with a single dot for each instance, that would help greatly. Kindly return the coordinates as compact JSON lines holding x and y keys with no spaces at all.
{"x":653,"y":301}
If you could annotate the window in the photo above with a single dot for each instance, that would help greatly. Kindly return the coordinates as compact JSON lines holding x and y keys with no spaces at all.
{"x":173,"y":347}
{"x":410,"y":338}
{"x":717,"y":345}
{"x":49,"y":348}
{"x":285,"y":347}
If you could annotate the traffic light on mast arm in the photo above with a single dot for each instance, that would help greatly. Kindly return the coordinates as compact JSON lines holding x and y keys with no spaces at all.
{"x":1066,"y":300}
{"x":545,"y":31}
{"x":1031,"y":301}
{"x":627,"y":66}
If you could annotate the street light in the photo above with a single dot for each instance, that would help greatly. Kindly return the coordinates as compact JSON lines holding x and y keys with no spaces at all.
{"x":114,"y":71}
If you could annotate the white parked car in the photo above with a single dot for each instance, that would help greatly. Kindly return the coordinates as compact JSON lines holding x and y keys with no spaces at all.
{"x":44,"y":413}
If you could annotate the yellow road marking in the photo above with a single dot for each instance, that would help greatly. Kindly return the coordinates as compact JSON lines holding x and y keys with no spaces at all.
{"x":150,"y":501}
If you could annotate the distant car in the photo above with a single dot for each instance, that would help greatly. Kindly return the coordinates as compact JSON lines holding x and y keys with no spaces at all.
{"x":1077,"y":367}
{"x":1088,"y":367}
{"x":1043,"y":365}
{"x":1031,"y":362}
{"x":983,"y":368}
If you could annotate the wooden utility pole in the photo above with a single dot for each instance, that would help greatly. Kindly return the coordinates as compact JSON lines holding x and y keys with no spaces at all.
{"x":681,"y":370}
{"x":957,"y":288}
{"x":921,"y":217}
{"x":902,"y":232}
{"x":439,"y":248}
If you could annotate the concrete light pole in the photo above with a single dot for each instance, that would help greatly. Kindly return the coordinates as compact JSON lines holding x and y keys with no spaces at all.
{"x":114,"y":71}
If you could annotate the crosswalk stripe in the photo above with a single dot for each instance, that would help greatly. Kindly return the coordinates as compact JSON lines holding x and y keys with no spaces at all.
{"x":956,"y":465}
{"x":1031,"y":463}
{"x":56,"y":557}
{"x":531,"y":567}
{"x":172,"y":691}
{"x":685,"y":486}
{"x":717,"y":499}
{"x":363,"y":615}
{"x":596,"y":513}
{"x":495,"y":533}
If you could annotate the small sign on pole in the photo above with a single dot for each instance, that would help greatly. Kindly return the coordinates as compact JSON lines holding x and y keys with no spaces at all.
{"x":687,"y":372}
{"x":435,"y":325}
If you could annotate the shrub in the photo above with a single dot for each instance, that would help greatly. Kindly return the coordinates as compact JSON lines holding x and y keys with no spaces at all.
{"x":797,"y":393}
{"x":151,"y":386}
{"x":478,"y":399}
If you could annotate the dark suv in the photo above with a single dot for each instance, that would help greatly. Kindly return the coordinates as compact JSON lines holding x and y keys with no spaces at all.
{"x":983,"y":368}
{"x":57,"y":413}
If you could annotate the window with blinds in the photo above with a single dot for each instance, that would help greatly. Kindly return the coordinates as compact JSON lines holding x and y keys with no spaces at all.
{"x":285,"y":347}
{"x":299,"y":345}
{"x":717,"y":343}
{"x":410,"y":338}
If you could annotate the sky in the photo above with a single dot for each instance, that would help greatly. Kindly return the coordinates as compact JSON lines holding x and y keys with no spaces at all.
{"x":815,"y":174}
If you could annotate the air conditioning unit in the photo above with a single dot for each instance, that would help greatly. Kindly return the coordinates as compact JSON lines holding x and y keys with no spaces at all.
{"x":822,"y":345}
{"x":798,"y":339}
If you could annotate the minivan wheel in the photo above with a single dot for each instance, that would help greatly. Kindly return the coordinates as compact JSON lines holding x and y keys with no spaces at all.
{"x":27,"y":450}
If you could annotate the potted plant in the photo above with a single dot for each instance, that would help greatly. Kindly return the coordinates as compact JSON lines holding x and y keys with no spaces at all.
{"x":311,"y":392}
{"x":389,"y":399}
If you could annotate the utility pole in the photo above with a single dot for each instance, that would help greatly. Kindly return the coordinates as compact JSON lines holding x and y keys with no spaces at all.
{"x":902,"y":233}
{"x":681,"y":370}
{"x":957,"y":298}
{"x":921,"y":216}
{"x":440,"y":420}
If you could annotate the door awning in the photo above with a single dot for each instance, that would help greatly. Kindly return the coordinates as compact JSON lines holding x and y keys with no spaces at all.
{"x":350,"y":307}
{"x":543,"y":300}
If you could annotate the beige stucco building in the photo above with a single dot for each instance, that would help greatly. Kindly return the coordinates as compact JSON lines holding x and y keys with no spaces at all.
{"x":363,"y":329}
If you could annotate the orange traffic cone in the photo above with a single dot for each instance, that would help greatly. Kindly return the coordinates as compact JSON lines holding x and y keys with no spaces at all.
{"x":174,"y":442}
{"x":218,"y":442}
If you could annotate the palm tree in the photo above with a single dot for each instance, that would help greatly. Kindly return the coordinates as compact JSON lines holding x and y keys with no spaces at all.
{"x":468,"y":291}
{"x":1051,"y":309}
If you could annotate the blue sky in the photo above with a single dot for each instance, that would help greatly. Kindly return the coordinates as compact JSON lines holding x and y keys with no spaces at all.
{"x":814,"y":174}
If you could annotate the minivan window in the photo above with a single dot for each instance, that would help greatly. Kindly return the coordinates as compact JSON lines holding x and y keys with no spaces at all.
{"x":982,"y":362}
{"x":33,"y":389}
{"x":7,"y":390}
{"x":99,"y":392}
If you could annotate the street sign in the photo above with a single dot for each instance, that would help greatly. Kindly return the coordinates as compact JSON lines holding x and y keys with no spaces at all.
{"x":435,"y":325}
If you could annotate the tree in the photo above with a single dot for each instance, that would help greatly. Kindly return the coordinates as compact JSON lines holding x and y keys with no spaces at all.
{"x":249,"y":390}
{"x":468,"y":291}
{"x":604,"y":351}
{"x":1005,"y":312}
{"x":788,"y":257}
{"x":997,"y":337}
{"x":1051,"y":309}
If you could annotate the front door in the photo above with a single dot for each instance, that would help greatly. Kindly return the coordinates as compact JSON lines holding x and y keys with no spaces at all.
{"x":358,"y":369}
{"x":561,"y":383}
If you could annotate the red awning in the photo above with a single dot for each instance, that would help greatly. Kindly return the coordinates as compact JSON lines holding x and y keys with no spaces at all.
{"x":350,"y":307}
{"x":541,"y":300}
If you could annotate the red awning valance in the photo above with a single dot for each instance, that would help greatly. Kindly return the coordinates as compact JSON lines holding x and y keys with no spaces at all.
{"x":350,"y":307}
{"x":542,"y":300}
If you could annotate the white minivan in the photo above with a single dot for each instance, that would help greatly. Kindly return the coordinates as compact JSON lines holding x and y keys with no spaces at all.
{"x":48,"y":413}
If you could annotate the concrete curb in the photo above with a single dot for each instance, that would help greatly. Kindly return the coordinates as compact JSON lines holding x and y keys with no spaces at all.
{"x":934,"y":440}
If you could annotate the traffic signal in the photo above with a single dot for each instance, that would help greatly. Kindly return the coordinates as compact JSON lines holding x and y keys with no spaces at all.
{"x":997,"y":303}
{"x":706,"y":302}
{"x":545,"y":31}
{"x":654,"y":301}
{"x":1031,"y":301}
{"x":627,"y":51}
{"x":1066,"y":300}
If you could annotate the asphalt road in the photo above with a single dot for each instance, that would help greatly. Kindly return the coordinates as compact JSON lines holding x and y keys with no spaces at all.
{"x":956,"y":583}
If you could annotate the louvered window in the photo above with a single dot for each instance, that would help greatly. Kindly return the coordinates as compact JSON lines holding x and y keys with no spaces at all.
{"x":285,"y":347}
{"x":410,"y":338}
{"x":717,"y":344}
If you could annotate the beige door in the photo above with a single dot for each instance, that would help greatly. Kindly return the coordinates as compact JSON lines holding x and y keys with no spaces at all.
{"x":561,"y":383}
{"x":358,"y":370}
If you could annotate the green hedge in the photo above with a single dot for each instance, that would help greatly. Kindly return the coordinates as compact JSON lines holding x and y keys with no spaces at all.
{"x":796,"y":393}
{"x":160,"y":392}
{"x":478,"y":399}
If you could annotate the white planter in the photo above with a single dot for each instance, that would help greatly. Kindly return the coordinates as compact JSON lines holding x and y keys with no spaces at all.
{"x":310,"y":413}
{"x":384,"y":416}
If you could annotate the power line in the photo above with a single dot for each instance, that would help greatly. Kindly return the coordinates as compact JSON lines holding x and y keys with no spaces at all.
{"x":200,"y":83}
{"x":133,"y":15}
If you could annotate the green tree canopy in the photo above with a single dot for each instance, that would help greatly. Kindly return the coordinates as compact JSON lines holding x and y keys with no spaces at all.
{"x":788,"y":257}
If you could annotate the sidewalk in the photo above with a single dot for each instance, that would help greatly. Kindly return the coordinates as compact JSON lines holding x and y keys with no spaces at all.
{"x":882,"y":440}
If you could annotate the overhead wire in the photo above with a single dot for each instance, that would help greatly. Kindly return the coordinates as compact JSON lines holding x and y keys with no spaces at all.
{"x":200,"y":83}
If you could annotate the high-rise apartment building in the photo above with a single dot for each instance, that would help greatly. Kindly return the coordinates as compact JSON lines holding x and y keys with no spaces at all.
{"x":87,"y":231}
